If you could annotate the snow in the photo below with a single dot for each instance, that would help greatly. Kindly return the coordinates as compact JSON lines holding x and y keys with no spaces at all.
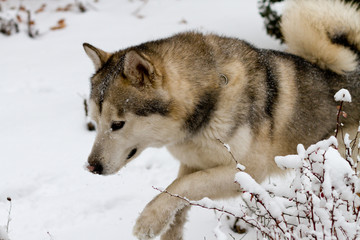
{"x":240,"y":167}
{"x":218,"y":233}
{"x":8,"y":15}
{"x":3,"y":233}
{"x":343,"y":95}
{"x":44,"y":141}
{"x":292,"y":161}
{"x":248,"y":184}
{"x":227,"y":146}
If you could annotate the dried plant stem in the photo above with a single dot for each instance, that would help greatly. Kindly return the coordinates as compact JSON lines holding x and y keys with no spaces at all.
{"x":9,"y":215}
{"x":338,"y":124}
{"x":89,"y":124}
{"x":232,"y":155}
{"x":86,"y":108}
{"x":137,"y":11}
{"x":31,"y":32}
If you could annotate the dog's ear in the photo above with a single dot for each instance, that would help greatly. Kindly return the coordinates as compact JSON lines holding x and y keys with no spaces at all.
{"x":138,"y":69}
{"x":97,"y":56}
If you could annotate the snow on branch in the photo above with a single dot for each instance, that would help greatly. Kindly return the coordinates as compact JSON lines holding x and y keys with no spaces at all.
{"x":211,"y":205}
{"x":8,"y":23}
{"x":343,"y":95}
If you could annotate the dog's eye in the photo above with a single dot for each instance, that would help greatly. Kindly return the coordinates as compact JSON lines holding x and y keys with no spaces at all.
{"x":117,"y":125}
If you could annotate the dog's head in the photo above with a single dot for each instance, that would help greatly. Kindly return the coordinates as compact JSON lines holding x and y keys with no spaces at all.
{"x":131,"y":107}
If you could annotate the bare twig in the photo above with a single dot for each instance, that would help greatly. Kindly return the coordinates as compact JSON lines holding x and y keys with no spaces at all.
{"x":9,"y":217}
{"x":51,"y":237}
{"x":228,"y":149}
{"x":222,"y":210}
{"x":31,"y":31}
{"x":136,"y":13}
{"x":89,"y":123}
{"x":338,"y":124}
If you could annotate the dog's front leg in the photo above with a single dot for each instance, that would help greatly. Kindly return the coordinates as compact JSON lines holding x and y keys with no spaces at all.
{"x":160,"y":212}
{"x":157,"y":216}
{"x":175,"y":230}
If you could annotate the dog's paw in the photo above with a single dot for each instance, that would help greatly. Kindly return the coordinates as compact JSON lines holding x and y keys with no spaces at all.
{"x":151,"y":223}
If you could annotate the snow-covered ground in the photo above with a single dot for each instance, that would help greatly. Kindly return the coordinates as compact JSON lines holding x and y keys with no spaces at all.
{"x":43,"y":140}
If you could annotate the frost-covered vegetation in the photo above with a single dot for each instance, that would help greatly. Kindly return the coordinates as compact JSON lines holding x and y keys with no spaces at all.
{"x":322,"y":201}
{"x":21,"y":16}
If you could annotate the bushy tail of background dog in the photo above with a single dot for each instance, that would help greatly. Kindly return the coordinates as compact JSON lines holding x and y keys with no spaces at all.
{"x":324,"y":32}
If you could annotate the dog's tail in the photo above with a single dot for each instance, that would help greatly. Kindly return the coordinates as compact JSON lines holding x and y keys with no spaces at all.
{"x":324,"y":32}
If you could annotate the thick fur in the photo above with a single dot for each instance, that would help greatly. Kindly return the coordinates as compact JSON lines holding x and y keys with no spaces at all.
{"x":325,"y":33}
{"x":191,"y":90}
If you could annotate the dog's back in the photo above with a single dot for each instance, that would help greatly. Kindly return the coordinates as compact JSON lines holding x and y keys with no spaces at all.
{"x":327,"y":34}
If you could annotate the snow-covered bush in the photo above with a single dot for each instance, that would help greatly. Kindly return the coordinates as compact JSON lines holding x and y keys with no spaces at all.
{"x":8,"y":23}
{"x":321,"y":203}
{"x":16,"y":17}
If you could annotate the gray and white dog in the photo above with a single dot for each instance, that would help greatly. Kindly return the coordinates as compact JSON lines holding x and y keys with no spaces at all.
{"x":189,"y":91}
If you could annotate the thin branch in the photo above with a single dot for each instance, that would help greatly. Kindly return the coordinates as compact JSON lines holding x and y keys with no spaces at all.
{"x":338,"y":124}
{"x":9,"y":217}
{"x":137,"y":11}
{"x":193,"y":203}
{"x":227,"y":149}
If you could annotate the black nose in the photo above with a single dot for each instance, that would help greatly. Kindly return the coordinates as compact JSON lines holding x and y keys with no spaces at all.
{"x":96,"y":168}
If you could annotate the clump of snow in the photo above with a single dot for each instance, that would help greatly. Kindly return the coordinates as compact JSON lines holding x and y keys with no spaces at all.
{"x":291,"y":161}
{"x":8,"y":15}
{"x":227,"y":146}
{"x":322,"y":145}
{"x":248,"y":184}
{"x":240,"y":167}
{"x":205,"y":202}
{"x":343,"y":95}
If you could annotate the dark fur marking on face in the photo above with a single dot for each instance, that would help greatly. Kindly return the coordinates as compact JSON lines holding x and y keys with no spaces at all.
{"x":153,"y":106}
{"x":113,"y":68}
{"x":202,"y":112}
